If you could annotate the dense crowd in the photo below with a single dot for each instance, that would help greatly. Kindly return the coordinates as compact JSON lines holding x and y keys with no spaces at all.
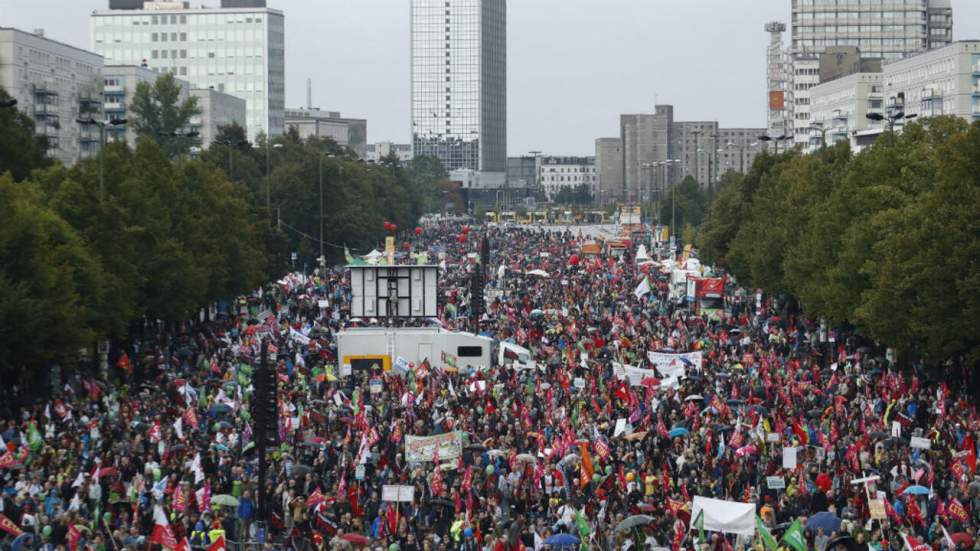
{"x":833,"y":444}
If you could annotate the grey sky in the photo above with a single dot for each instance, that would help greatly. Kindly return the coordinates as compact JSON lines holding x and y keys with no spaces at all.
{"x":573,"y":65}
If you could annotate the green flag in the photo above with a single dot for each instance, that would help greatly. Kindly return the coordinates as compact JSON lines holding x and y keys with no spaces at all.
{"x":699,"y":524}
{"x":794,"y":536}
{"x":767,"y":539}
{"x":583,"y":530}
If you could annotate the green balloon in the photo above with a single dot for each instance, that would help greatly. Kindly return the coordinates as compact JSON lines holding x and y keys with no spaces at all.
{"x":608,"y":469}
{"x":489,"y":469}
{"x":46,"y":531}
{"x":156,"y":474}
{"x":595,"y":478}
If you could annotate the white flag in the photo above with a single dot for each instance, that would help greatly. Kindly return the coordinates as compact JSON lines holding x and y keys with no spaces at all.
{"x":643,"y":288}
{"x":179,"y":428}
{"x":197,"y":468}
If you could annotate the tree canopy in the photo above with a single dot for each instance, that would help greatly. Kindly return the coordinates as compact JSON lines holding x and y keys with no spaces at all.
{"x":157,"y":112}
{"x":885,"y":240}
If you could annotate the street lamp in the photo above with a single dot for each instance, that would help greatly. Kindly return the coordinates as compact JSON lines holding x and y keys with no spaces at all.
{"x":775,"y":140}
{"x":101,"y":124}
{"x":8,"y":103}
{"x":231,"y":144}
{"x":893,"y":116}
{"x":268,"y":174}
{"x":819,"y":127}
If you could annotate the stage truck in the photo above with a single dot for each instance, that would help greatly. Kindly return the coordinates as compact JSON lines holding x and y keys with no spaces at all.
{"x":388,"y":348}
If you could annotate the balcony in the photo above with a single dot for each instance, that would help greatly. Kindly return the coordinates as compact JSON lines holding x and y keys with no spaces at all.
{"x":976,"y":69}
{"x":115,"y":89}
{"x":931,"y":93}
{"x":111,"y":105}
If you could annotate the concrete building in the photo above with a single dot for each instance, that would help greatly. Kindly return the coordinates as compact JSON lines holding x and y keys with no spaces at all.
{"x":120,"y":82}
{"x":522,"y":173}
{"x":609,"y":168}
{"x":659,"y":151}
{"x":346,"y":132}
{"x":217,"y":109}
{"x":459,"y":85}
{"x":840,"y":107}
{"x":558,"y":173}
{"x":938,"y":82}
{"x":885,"y":29}
{"x":840,"y":61}
{"x":236,"y":50}
{"x":374,"y":152}
{"x":55,"y":84}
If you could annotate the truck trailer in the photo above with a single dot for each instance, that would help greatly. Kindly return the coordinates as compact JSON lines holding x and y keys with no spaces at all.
{"x":389,"y":348}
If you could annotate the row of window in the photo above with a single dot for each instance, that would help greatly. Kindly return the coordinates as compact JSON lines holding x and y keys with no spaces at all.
{"x":178,"y":19}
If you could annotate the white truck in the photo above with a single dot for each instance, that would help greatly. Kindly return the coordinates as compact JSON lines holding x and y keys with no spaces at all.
{"x":391,"y":348}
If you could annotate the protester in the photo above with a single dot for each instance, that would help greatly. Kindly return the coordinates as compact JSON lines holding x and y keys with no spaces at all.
{"x":566,"y":451}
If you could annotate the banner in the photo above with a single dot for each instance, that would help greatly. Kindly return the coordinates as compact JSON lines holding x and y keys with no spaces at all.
{"x":668,"y":364}
{"x":422,"y":448}
{"x":390,"y":492}
{"x":634,"y":374}
{"x":729,"y":517}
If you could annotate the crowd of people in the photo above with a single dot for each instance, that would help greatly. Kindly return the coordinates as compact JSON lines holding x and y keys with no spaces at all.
{"x":589,"y":444}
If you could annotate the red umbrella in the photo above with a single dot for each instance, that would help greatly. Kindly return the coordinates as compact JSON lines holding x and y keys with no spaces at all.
{"x":962,"y":538}
{"x":356,"y":539}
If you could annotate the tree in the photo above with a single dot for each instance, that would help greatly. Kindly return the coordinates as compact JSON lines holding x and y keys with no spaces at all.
{"x":49,"y":281}
{"x":21,"y":150}
{"x":158,"y":114}
{"x":579,"y":195}
{"x":685,"y":202}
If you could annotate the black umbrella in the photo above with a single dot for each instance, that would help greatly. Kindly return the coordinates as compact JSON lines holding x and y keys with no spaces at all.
{"x":301,"y":470}
{"x":847,"y":541}
{"x":814,"y":413}
{"x":476,"y":448}
{"x":441,"y":501}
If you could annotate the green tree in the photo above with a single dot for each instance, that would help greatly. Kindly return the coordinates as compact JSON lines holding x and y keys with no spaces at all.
{"x":49,"y":282}
{"x":157,"y":113}
{"x":579,"y":195}
{"x":21,"y":150}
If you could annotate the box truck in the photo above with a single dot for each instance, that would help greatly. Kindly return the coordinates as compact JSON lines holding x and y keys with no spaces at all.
{"x":394,"y":348}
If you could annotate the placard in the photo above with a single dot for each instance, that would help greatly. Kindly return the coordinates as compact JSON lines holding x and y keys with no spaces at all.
{"x":375,"y":386}
{"x":323,"y":304}
{"x":359,"y":472}
{"x":789,"y":458}
{"x":920,"y":443}
{"x":620,"y":427}
{"x":776,"y":482}
{"x":877,"y":509}
{"x":896,"y":429}
{"x":579,"y":383}
{"x":772,"y":437}
{"x":422,"y":448}
{"x":398,"y":493}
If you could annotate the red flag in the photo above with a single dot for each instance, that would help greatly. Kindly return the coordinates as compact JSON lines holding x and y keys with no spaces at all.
{"x":183,"y":545}
{"x":315,"y":498}
{"x":73,"y":536}
{"x":587,"y":470}
{"x":9,"y":527}
{"x":436,"y":485}
{"x":218,"y":545}
{"x":914,"y":512}
{"x":801,"y":433}
{"x":179,"y":499}
{"x":162,"y":533}
{"x":971,"y":453}
{"x":467,"y":479}
{"x":915,"y":544}
{"x":124,"y":363}
{"x":156,"y":433}
{"x":957,"y":511}
{"x":190,"y":417}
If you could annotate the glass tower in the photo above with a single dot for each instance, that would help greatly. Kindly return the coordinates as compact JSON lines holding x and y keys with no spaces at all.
{"x":459,"y":83}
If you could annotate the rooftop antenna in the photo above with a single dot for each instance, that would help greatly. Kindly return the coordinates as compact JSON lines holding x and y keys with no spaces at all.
{"x":309,"y":93}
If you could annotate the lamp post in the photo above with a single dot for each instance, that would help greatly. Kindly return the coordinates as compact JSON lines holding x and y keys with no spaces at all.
{"x":894,"y":115}
{"x":231,"y":144}
{"x":775,"y":140}
{"x":181,"y":134}
{"x":101,"y":124}
{"x":7,"y":103}
{"x":819,"y":127}
{"x":268,"y":173}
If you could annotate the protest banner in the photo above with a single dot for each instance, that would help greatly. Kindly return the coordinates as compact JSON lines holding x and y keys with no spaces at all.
{"x":422,"y":448}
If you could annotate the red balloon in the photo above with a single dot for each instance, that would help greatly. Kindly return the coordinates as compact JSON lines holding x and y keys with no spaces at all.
{"x":573,"y":260}
{"x":418,"y":231}
{"x":406,"y":246}
{"x":394,"y":228}
{"x":387,"y":225}
{"x":462,"y":238}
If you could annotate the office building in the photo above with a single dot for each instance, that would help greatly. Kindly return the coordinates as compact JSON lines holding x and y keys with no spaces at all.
{"x":315,"y":123}
{"x":840,"y":107}
{"x":375,"y":152}
{"x":885,"y":29}
{"x":659,"y":151}
{"x":609,"y":168}
{"x":218,"y":109}
{"x":938,"y":82}
{"x":120,"y":82}
{"x":235,"y":50}
{"x":55,"y":84}
{"x":459,"y":87}
{"x":558,"y":173}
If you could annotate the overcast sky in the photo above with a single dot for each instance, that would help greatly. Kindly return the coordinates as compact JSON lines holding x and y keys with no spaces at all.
{"x":573,"y":65}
